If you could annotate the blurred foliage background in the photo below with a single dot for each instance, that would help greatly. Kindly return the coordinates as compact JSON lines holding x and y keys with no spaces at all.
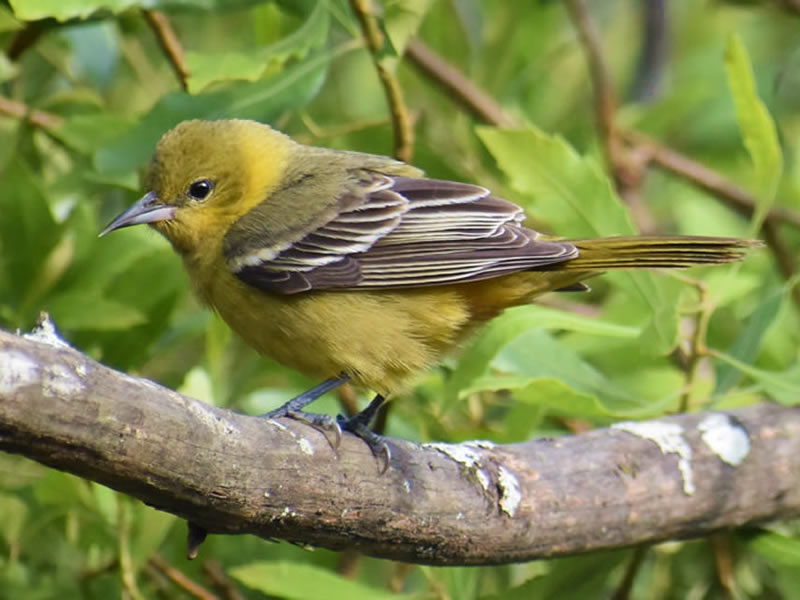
{"x":690,"y":125}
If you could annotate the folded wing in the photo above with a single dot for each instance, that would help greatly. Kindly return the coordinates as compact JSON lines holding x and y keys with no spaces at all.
{"x":401,"y":232}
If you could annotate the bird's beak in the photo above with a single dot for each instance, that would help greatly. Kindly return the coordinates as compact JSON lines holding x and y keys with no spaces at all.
{"x":147,"y":210}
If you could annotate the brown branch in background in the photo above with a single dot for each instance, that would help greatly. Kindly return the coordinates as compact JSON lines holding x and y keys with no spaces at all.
{"x":623,"y":591}
{"x":457,"y":86}
{"x":708,"y":180}
{"x":220,"y":580}
{"x":730,"y":194}
{"x":787,"y":262}
{"x":401,"y":119}
{"x":40,"y":118}
{"x":627,"y":168}
{"x":605,"y":101}
{"x":169,"y":43}
{"x":176,"y":576}
{"x":25,"y":38}
{"x":723,"y":564}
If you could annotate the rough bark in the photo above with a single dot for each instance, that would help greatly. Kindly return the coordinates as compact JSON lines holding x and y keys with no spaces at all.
{"x":465,"y":504}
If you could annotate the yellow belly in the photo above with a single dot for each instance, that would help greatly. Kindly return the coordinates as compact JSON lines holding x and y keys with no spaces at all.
{"x":379,"y":339}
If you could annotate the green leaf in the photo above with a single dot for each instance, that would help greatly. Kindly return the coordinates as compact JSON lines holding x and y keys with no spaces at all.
{"x":783,"y":386}
{"x":84,"y":311}
{"x":7,"y":21}
{"x":295,"y":581}
{"x":569,"y":191}
{"x":13,"y":515}
{"x":62,"y":10}
{"x":758,"y":128}
{"x":476,"y":359}
{"x":263,"y":100}
{"x":536,"y":354}
{"x":28,"y":232}
{"x":747,"y":344}
{"x":151,"y":529}
{"x":782,"y":549}
{"x":573,"y":195}
{"x":208,"y":68}
{"x":86,"y":133}
{"x":403,"y":19}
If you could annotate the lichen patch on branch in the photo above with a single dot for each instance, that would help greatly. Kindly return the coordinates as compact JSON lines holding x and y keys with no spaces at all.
{"x":17,"y":370}
{"x":670,"y":440}
{"x":726,"y":437}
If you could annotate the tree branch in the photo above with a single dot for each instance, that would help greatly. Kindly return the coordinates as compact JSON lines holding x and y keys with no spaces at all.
{"x":441,"y":504}
{"x":401,"y":119}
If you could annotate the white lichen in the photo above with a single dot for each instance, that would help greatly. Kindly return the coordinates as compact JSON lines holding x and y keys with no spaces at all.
{"x":510,"y":494}
{"x":45,"y":333}
{"x":306,"y":446}
{"x":17,"y":370}
{"x":725,"y":437}
{"x":211,"y":419}
{"x":59,"y":381}
{"x":466,"y":456}
{"x":669,"y":438}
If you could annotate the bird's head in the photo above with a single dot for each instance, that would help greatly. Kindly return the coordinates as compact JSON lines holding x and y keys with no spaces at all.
{"x":205,"y":175}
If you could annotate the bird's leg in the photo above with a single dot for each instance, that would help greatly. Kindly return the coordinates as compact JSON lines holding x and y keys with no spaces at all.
{"x":294,"y":409}
{"x":359,"y":426}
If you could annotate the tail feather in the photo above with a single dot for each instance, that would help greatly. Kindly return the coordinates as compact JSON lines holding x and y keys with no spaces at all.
{"x":653,"y":252}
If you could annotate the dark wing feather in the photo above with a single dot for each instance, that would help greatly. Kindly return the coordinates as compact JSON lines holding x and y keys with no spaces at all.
{"x":407,"y":232}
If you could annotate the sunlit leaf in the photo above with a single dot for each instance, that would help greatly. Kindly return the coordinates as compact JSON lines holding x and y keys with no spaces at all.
{"x":758,"y":128}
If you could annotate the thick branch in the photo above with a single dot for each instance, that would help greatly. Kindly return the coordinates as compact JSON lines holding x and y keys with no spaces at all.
{"x":462,"y":504}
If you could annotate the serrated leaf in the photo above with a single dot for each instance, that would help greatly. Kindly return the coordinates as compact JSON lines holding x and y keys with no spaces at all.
{"x":572,"y":194}
{"x":296,"y":581}
{"x":758,"y":129}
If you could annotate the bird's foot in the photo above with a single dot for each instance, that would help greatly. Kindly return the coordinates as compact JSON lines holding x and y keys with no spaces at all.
{"x":325,"y":424}
{"x":358,"y":425}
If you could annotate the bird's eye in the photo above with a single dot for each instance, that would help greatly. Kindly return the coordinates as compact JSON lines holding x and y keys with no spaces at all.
{"x":200,"y":189}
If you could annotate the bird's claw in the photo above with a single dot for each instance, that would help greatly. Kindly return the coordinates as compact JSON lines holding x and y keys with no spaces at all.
{"x":325,"y":424}
{"x":375,"y":442}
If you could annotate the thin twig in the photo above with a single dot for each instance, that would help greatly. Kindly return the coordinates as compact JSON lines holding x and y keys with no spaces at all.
{"x":180,"y":579}
{"x":458,"y":87}
{"x":605,"y":101}
{"x":707,"y":179}
{"x":625,"y":586}
{"x":40,"y":118}
{"x":723,"y":563}
{"x":697,"y":340}
{"x":784,"y":257}
{"x":627,"y":168}
{"x":401,"y":118}
{"x":127,"y":573}
{"x":220,"y":580}
{"x":168,"y":40}
{"x":24,"y":39}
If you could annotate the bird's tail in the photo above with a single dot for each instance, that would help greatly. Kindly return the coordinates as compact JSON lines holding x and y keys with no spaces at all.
{"x":654,"y":252}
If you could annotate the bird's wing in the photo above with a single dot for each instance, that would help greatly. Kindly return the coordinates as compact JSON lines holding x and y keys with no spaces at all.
{"x":405,"y":232}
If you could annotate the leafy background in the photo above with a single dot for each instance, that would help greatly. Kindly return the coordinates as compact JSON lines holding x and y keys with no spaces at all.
{"x":86,"y":90}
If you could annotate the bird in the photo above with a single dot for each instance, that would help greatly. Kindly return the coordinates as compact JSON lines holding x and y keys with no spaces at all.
{"x":353,"y":267}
